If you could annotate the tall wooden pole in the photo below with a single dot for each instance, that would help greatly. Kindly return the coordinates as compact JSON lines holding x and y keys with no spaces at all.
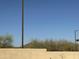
{"x":22,"y":23}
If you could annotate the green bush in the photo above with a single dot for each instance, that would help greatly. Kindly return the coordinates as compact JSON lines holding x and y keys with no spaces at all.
{"x":50,"y":45}
{"x":6,"y":41}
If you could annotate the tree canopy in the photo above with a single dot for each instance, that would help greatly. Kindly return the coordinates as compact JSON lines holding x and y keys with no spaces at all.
{"x":6,"y":41}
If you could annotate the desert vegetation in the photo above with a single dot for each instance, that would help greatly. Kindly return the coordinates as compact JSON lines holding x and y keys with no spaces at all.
{"x":6,"y":41}
{"x":52,"y":45}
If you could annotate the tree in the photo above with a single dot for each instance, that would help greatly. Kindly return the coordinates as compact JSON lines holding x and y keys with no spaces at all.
{"x":6,"y":41}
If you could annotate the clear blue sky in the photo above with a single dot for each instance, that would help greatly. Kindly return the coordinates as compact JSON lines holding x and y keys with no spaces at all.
{"x":43,"y":19}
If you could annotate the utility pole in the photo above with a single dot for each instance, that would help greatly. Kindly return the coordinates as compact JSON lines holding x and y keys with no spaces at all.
{"x":76,"y":40}
{"x":22,"y":23}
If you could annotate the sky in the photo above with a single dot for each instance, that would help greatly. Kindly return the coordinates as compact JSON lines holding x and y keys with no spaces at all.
{"x":44,"y":19}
